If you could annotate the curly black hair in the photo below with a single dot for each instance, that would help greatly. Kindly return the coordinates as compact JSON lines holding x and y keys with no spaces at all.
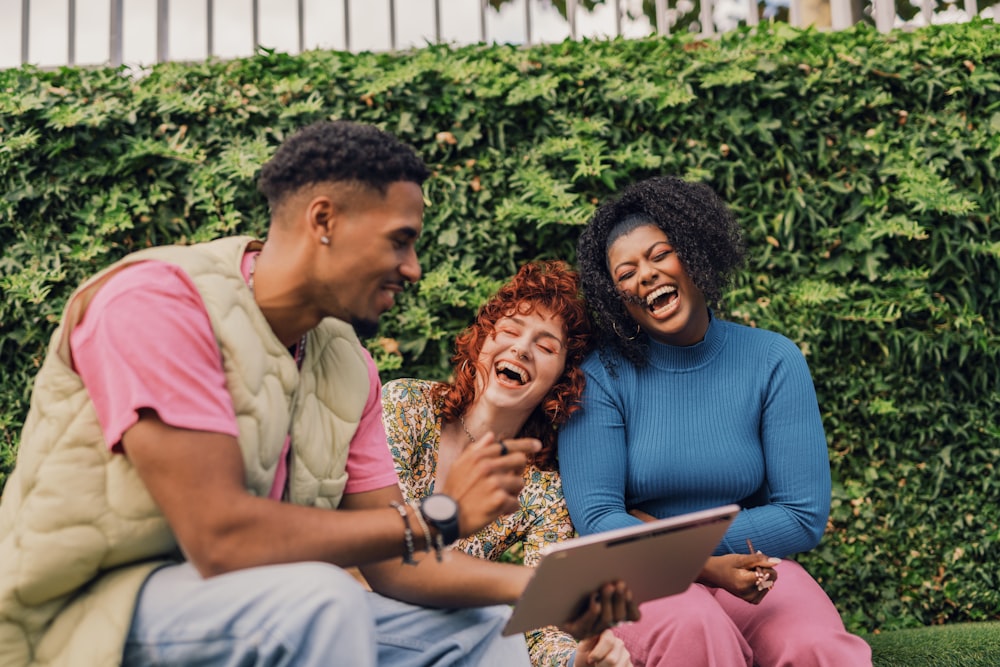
{"x":334,"y":151}
{"x":702,"y":230}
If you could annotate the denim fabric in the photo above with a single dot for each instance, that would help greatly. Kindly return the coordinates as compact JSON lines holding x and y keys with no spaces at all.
{"x":411,"y":636}
{"x":304,"y":615}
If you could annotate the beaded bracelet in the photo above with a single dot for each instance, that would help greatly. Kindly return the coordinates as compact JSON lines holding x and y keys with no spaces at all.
{"x":427,"y":531}
{"x":407,"y":533}
{"x":439,"y":547}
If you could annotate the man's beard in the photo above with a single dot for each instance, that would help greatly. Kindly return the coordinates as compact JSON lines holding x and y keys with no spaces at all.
{"x":364,"y":328}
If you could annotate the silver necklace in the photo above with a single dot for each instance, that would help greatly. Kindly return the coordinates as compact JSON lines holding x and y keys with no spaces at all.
{"x":465,"y":428}
{"x":300,"y":348}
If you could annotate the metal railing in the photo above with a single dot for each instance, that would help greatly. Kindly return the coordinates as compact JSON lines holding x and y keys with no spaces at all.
{"x":145,"y":31}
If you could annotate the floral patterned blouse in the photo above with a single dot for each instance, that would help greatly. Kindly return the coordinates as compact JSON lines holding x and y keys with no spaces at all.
{"x":413,"y":429}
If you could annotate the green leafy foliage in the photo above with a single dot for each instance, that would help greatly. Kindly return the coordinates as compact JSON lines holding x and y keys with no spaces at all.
{"x":863,"y":166}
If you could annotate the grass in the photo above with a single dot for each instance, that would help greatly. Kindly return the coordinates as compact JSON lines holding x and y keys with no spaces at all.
{"x":954,"y":645}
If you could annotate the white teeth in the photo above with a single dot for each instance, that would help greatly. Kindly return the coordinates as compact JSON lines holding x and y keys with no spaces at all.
{"x":504,"y":365}
{"x":660,"y":291}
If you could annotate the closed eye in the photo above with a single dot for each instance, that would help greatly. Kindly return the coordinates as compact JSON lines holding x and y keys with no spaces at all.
{"x":625,"y":276}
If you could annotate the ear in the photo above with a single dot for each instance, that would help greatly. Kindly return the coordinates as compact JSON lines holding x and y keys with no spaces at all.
{"x":323,"y":216}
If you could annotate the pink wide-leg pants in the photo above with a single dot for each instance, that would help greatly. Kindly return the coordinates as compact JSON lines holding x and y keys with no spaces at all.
{"x":796,"y":625}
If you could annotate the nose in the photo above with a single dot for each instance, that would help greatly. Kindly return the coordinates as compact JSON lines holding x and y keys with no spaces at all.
{"x":410,"y":268}
{"x":648,"y":273}
{"x":519,"y":352}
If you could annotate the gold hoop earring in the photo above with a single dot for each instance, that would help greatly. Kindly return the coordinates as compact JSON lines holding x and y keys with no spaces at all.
{"x":638,"y":330}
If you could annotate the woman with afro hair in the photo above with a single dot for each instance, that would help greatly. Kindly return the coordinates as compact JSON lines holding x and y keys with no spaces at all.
{"x":683,"y":411}
{"x":516,"y":375}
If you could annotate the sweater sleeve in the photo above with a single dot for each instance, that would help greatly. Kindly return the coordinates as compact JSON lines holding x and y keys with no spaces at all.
{"x":796,"y":459}
{"x":593,"y":459}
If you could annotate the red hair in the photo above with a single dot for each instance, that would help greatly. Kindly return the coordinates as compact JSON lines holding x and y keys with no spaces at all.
{"x":551,"y":285}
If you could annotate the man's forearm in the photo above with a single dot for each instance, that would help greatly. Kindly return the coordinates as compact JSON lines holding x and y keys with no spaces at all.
{"x":459,"y":580}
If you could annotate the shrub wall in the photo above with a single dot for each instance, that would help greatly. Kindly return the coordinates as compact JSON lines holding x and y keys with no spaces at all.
{"x":863,"y":166}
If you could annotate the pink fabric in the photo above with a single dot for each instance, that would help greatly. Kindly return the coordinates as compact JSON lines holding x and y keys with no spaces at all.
{"x":796,"y":625}
{"x":367,"y":460}
{"x":370,"y":465}
{"x":146,"y":342}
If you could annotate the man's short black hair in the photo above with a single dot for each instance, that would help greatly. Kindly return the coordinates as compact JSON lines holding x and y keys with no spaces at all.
{"x":339,"y":151}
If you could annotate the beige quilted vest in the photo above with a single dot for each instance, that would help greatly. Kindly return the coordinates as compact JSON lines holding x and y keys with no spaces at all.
{"x":78,"y":531}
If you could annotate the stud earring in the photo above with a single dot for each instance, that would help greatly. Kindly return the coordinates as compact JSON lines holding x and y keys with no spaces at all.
{"x":325,"y":240}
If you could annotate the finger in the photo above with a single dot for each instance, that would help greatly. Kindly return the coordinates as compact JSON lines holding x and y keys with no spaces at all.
{"x":764,"y":578}
{"x":608,"y":619}
{"x":618,"y":655}
{"x":587,"y":644}
{"x":750,"y":561}
{"x":620,"y":603}
{"x":505,"y":501}
{"x":642,"y":516}
{"x":600,"y":652}
{"x":632,"y":608}
{"x":526,"y":446}
{"x":511,"y":466}
{"x":510,"y":482}
{"x":582,"y":625}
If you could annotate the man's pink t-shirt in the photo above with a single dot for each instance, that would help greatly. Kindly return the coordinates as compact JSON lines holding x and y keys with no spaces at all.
{"x":146,"y":342}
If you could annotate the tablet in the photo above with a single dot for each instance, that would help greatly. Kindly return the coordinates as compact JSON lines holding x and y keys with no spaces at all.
{"x":655,"y":559}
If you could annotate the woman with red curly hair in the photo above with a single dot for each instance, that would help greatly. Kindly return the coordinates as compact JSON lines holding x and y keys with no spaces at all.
{"x":517,"y":374}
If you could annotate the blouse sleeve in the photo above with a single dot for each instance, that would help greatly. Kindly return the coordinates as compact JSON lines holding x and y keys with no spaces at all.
{"x":549,"y":522}
{"x":411,"y":433}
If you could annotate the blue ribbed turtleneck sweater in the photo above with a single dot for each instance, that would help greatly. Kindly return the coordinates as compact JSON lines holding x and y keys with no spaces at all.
{"x":732,"y":419}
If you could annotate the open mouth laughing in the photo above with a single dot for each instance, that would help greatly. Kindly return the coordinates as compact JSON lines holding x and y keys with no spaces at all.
{"x":505,"y":369}
{"x":662,"y":300}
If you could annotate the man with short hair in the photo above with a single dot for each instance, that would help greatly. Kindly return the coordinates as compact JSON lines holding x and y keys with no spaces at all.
{"x":204,"y":451}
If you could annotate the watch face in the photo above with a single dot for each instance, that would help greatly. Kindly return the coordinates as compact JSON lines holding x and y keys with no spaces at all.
{"x":439,"y":507}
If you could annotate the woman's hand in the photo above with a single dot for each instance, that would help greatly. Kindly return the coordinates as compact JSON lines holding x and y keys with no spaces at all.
{"x":607,"y":607}
{"x":603,"y":650}
{"x":747,"y":576}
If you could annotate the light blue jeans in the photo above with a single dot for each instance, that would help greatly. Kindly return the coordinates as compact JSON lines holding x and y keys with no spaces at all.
{"x":304,"y":615}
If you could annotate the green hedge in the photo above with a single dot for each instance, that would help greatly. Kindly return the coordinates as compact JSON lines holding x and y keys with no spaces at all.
{"x":863,"y":166}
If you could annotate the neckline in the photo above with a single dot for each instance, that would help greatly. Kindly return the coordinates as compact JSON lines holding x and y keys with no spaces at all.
{"x":689,"y":357}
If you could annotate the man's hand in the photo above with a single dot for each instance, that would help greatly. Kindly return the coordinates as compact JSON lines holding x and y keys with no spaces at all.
{"x":603,"y":650}
{"x":740,"y":574}
{"x":607,"y":607}
{"x":486,"y":480}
